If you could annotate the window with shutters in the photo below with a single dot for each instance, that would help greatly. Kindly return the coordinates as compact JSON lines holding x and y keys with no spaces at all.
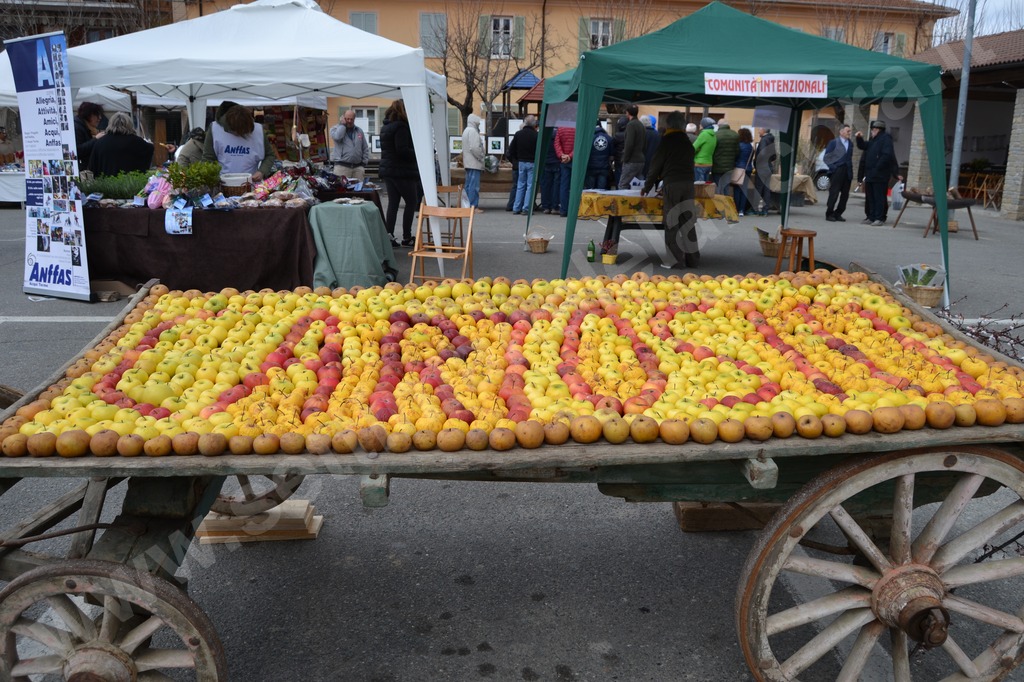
{"x":454,"y":122}
{"x":433,"y":34}
{"x":370,"y":114}
{"x":364,"y":21}
{"x":884,"y":42}
{"x":501,"y":37}
{"x":836,"y":33}
{"x":600,"y":33}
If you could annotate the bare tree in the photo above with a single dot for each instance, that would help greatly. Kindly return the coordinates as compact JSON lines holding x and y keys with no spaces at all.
{"x":605,"y":22}
{"x":1009,"y":18}
{"x":482,"y":48}
{"x":77,"y":18}
{"x":866,"y":28}
{"x":987,"y":19}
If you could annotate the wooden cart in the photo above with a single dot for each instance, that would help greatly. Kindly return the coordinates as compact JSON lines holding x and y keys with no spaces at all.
{"x":895,"y":531}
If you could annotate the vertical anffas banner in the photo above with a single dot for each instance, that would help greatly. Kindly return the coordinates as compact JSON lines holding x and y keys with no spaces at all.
{"x":55,"y":255}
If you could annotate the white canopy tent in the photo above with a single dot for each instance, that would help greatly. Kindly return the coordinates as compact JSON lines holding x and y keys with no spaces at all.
{"x":227,"y":58}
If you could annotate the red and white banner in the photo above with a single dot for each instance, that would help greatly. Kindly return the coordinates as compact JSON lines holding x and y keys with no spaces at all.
{"x":766,"y":84}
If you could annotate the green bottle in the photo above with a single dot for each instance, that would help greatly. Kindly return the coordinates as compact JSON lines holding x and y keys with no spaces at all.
{"x":591,"y":251}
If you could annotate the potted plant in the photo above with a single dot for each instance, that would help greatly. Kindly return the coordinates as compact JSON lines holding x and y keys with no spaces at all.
{"x":124,"y":185}
{"x":609,"y":251}
{"x":197,"y":178}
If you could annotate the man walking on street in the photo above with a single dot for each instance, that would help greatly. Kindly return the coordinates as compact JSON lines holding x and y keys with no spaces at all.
{"x":633,"y":149}
{"x":879,"y":165}
{"x":351,"y":150}
{"x":839,"y":159}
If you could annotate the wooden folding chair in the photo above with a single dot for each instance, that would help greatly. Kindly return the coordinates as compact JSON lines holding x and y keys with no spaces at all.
{"x":427,"y":248}
{"x":993,"y":193}
{"x":452,"y":195}
{"x":452,"y":199}
{"x":968,"y":185}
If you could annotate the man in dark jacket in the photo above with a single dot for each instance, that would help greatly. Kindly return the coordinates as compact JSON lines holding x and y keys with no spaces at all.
{"x":879,"y":166}
{"x":724,"y":159}
{"x":550,"y":181}
{"x":652,"y":138}
{"x":599,"y":166}
{"x":633,"y":148}
{"x":764,"y":166}
{"x":672,"y":166}
{"x":618,"y":144}
{"x":523,"y":148}
{"x":839,"y":159}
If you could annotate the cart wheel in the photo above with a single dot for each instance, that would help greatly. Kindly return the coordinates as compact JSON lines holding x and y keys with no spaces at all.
{"x":937,"y":594}
{"x":257,"y":494}
{"x":143,"y":626}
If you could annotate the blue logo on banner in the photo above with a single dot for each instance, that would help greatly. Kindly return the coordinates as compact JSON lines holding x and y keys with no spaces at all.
{"x":44,"y":73}
{"x":30,"y":63}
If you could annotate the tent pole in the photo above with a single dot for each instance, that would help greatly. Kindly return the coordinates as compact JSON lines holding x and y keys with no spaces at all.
{"x":539,"y":157}
{"x":587,"y":106}
{"x":931,"y":120}
{"x":789,"y":141}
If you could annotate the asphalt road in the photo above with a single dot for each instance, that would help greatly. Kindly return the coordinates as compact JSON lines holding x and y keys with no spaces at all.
{"x":509,"y":581}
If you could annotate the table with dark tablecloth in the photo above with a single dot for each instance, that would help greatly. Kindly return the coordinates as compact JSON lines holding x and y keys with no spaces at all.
{"x":246,"y":248}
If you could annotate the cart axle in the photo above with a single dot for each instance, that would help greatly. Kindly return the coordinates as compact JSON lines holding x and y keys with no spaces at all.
{"x":909,"y":597}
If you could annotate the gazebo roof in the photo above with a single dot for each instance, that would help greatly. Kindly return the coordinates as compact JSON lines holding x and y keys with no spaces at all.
{"x":523,"y":80}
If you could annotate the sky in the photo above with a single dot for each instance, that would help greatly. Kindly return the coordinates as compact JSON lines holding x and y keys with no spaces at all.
{"x":992,"y":15}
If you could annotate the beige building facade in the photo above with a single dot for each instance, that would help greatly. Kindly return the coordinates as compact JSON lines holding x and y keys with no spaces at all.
{"x":481,"y":45}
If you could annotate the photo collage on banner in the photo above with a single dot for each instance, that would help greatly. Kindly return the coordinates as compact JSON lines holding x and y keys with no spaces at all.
{"x":55,"y":253}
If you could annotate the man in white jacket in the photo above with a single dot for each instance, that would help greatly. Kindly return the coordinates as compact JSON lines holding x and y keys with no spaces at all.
{"x":473,"y":159}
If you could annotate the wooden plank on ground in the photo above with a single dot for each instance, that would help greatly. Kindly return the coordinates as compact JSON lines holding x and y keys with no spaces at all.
{"x":291,"y":520}
{"x":310,"y":533}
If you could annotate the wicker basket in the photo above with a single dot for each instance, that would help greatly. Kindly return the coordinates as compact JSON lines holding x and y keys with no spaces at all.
{"x":537,"y":245}
{"x":770,"y":248}
{"x":929,"y":297}
{"x":235,"y":190}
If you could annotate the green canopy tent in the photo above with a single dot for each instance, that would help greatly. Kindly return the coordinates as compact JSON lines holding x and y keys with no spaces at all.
{"x":715,"y":57}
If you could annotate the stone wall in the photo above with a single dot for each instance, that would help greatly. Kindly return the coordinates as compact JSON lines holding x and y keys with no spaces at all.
{"x":918,"y":172}
{"x":1013,"y":187}
{"x":857,"y":116}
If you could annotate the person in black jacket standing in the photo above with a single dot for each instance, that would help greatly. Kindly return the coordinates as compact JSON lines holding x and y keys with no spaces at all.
{"x":89,"y":116}
{"x":879,"y":166}
{"x":524,"y":148}
{"x":120,"y":150}
{"x":399,"y":171}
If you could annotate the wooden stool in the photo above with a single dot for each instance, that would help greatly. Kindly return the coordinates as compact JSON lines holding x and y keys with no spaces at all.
{"x":795,"y":239}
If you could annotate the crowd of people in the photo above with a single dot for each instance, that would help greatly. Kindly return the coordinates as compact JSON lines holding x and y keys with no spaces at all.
{"x":730,"y":159}
{"x":636,"y":153}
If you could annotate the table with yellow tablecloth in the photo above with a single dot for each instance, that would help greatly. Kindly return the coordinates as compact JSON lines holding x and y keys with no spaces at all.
{"x":628,"y":209}
{"x":634,"y":208}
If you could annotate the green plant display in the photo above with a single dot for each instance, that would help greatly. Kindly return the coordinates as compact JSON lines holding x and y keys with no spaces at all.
{"x":201,"y":174}
{"x":124,"y":185}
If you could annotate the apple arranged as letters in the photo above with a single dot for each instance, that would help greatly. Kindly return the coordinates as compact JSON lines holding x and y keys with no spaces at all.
{"x":495,"y":364}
